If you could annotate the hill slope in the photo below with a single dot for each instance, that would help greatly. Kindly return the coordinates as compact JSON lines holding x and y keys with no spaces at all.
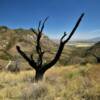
{"x":25,"y":38}
{"x":9,"y":38}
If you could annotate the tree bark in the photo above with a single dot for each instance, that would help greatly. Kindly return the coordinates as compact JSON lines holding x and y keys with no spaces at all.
{"x":39,"y":75}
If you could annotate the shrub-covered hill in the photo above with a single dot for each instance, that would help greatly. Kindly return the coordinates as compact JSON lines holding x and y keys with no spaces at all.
{"x":25,"y":38}
{"x":9,"y":38}
{"x":85,"y":55}
{"x":95,"y":49}
{"x":94,"y":52}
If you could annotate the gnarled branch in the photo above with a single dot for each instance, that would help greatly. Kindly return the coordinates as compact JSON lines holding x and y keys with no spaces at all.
{"x":40,"y":52}
{"x":29,"y":60}
{"x":61,"y":46}
{"x":75,"y":27}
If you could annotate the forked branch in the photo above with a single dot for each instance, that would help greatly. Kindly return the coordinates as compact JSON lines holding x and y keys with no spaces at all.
{"x":62,"y":43}
{"x":24,"y":55}
{"x":39,"y":50}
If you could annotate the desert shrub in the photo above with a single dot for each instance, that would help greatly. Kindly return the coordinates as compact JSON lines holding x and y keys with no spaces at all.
{"x":11,"y":43}
{"x":63,"y":61}
{"x":4,"y":57}
{"x":34,"y":91}
{"x":3,"y":28}
{"x":13,"y":68}
{"x":73,"y":74}
{"x":91,"y":59}
{"x":77,"y":60}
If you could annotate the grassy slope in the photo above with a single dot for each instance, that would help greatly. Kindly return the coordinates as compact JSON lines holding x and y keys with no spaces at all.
{"x":60,"y":83}
{"x":75,"y":82}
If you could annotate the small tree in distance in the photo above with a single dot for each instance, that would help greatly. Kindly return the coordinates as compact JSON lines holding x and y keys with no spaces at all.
{"x":38,"y":65}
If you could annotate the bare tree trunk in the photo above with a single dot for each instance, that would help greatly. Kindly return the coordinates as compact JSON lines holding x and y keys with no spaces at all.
{"x":39,"y":75}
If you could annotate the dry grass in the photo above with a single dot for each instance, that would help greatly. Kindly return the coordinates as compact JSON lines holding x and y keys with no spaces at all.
{"x":60,"y":83}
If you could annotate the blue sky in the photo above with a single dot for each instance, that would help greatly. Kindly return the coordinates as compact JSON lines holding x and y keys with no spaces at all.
{"x":63,"y":15}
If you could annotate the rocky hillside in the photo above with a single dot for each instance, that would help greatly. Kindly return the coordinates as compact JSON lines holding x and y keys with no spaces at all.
{"x":9,"y":38}
{"x":94,"y":51}
{"x":25,"y":38}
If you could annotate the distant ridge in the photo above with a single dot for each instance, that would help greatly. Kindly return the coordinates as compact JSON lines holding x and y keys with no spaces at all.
{"x":96,"y":39}
{"x":92,"y":40}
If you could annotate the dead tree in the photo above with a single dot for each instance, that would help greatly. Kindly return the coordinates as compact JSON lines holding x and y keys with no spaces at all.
{"x":38,"y":65}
